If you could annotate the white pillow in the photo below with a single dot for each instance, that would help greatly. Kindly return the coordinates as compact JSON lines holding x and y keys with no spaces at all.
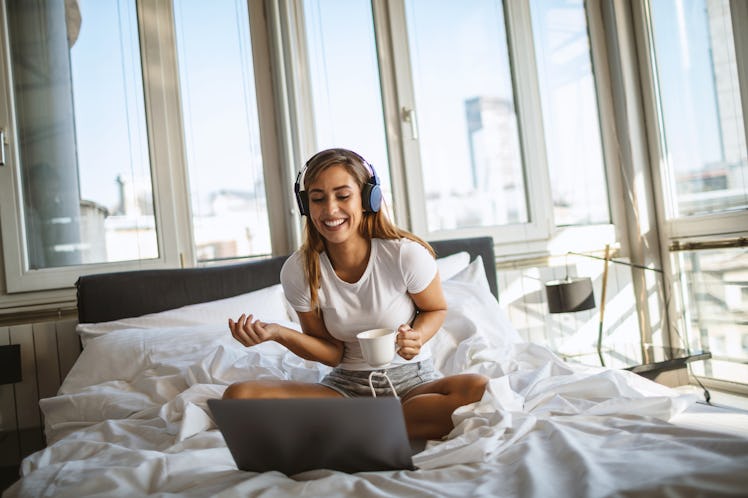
{"x":451,"y":265}
{"x":473,"y":274}
{"x":475,"y":328}
{"x":267,"y":304}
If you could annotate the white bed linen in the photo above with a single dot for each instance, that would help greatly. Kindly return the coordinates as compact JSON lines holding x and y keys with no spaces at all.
{"x":131,"y":420}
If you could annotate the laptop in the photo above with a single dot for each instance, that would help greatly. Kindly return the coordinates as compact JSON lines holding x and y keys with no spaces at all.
{"x":295,"y":435}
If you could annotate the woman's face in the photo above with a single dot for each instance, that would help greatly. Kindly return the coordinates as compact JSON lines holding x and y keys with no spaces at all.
{"x":335,"y":205}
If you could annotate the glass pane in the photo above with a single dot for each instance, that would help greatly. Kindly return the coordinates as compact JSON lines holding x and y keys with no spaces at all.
{"x":80,"y":113}
{"x":344,"y":77}
{"x":570,"y":115}
{"x":467,"y":122}
{"x":700,"y":104}
{"x":222,"y":131}
{"x":716,"y":304}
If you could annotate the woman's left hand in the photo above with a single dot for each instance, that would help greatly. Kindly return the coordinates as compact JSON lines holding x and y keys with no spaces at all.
{"x":409,"y":341}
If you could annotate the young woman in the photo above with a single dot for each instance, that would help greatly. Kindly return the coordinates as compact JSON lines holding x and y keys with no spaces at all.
{"x":357,"y":271}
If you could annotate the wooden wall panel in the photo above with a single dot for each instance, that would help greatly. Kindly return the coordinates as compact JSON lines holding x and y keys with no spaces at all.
{"x":68,"y":345}
{"x":47,"y":364}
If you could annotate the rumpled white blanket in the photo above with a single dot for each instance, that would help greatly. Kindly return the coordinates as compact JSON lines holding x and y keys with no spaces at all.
{"x":131,"y":420}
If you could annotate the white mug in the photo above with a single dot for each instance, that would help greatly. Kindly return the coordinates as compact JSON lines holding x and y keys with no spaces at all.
{"x":378,"y":346}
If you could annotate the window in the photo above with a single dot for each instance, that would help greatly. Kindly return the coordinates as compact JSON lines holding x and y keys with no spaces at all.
{"x":703,"y":163}
{"x":703,"y":124}
{"x":85,"y":171}
{"x":490,"y":128}
{"x":570,"y":112}
{"x":468,"y":110}
{"x":464,"y":111}
{"x":714,"y":283}
{"x":344,"y":80}
{"x":467,"y":125}
{"x":104,"y":169}
{"x":222,"y":130}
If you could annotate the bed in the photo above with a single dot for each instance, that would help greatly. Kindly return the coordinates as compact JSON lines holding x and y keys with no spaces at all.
{"x":131,"y":417}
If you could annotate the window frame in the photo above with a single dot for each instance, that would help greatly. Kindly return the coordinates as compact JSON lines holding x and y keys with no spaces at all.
{"x":166,"y":177}
{"x":710,"y":225}
{"x":540,"y":235}
{"x":532,"y":144}
{"x":166,"y":151}
{"x":287,"y":139}
{"x":696,"y":228}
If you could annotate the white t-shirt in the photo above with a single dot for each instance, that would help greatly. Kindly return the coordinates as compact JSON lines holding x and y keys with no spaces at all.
{"x":378,"y":300}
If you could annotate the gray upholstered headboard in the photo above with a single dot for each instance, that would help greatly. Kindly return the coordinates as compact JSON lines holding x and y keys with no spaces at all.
{"x":112,"y":296}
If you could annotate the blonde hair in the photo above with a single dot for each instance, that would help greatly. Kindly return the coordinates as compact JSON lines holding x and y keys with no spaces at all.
{"x":373,"y":225}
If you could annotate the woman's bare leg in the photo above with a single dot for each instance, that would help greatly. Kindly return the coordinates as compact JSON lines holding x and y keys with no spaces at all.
{"x":428,"y":408}
{"x":277,"y":389}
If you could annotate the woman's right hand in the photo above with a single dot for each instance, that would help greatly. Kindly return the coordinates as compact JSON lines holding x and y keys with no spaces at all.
{"x":251,"y":332}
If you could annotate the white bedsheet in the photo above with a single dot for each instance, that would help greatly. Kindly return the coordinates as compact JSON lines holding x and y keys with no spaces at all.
{"x":131,"y":420}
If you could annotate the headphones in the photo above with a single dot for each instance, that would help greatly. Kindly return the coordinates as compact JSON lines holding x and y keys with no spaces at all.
{"x":371,"y":192}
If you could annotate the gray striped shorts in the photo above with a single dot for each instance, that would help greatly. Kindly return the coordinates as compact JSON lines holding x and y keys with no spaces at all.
{"x":355,"y":383}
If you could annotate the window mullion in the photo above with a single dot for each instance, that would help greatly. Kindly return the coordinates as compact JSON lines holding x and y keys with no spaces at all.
{"x":403,"y":202}
{"x":277,"y":172}
{"x":604,"y":91}
{"x":165,"y":133}
{"x":402,"y":71}
{"x":529,"y":111}
{"x":634,"y":125}
{"x":292,"y":101}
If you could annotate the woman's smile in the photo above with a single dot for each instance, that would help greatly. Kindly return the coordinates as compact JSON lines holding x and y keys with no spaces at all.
{"x":334,"y":223}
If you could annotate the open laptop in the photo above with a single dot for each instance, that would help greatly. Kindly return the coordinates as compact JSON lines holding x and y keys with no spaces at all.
{"x":295,"y":435}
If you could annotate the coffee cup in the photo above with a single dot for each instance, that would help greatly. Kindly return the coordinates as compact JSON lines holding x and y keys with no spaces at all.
{"x":378,"y":346}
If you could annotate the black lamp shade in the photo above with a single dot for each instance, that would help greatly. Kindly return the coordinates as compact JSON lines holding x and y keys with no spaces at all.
{"x":569,"y":295}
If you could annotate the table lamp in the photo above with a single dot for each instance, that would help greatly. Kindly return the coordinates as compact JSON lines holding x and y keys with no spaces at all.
{"x":575,"y":294}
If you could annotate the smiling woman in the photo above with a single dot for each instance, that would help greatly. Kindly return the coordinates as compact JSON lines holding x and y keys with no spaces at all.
{"x":356,"y":272}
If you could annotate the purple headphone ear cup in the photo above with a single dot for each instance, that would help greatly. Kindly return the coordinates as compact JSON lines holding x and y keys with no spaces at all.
{"x":371,"y":195}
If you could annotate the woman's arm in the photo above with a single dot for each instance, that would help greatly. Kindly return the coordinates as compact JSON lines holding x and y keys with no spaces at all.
{"x":432,"y":309}
{"x":314,"y":344}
